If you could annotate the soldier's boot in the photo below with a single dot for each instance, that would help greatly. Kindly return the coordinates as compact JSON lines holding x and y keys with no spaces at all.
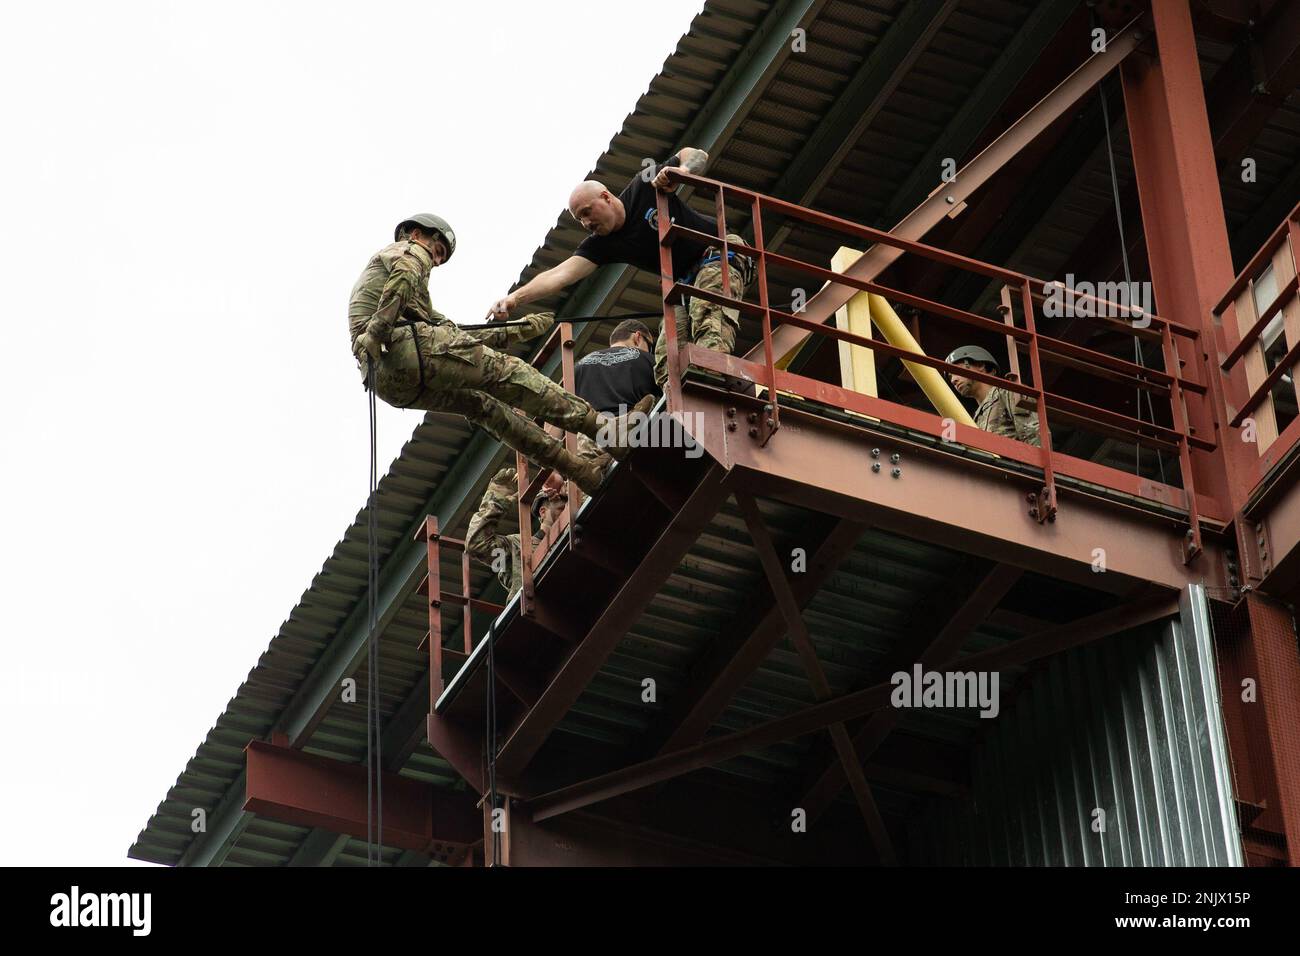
{"x":617,"y":434}
{"x":585,"y":472}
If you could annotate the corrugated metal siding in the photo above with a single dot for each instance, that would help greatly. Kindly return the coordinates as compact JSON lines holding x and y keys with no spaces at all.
{"x":1130,"y":725}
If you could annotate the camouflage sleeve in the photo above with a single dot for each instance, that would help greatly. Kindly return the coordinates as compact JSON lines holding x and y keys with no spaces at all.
{"x":539,"y":323}
{"x":482,"y":540}
{"x":410,"y":273}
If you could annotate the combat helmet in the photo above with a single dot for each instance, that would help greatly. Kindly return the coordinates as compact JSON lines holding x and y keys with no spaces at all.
{"x":428,"y":220}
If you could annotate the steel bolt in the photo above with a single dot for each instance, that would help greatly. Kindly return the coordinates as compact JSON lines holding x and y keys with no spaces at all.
{"x":895,"y":458}
{"x":875,"y":453}
{"x":731,"y":413}
{"x":731,"y":426}
{"x":1033,"y":513}
{"x":753,"y":417}
{"x":875,"y":466}
{"x":753,"y":433}
{"x":896,"y":472}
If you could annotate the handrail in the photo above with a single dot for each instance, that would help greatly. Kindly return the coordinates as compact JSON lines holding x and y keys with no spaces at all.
{"x":1289,"y":228}
{"x":1170,"y":384}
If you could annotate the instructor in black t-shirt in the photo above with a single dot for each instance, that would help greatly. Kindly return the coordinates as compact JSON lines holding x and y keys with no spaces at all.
{"x":616,"y":378}
{"x":624,"y":228}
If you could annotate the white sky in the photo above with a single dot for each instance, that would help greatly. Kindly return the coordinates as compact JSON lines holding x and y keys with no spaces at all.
{"x":187,"y":194}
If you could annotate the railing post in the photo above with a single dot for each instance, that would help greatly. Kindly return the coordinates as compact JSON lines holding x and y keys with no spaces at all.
{"x":468,"y":625}
{"x":435,"y":611}
{"x":720,"y":208}
{"x":1046,"y":507}
{"x":525,"y":536}
{"x":572,"y":493}
{"x":1008,"y":316}
{"x":673,"y":386}
{"x":1191,"y":545}
{"x":771,"y":411}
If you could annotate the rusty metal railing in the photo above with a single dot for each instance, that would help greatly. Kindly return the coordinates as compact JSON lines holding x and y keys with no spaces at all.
{"x":1279,"y":260}
{"x":1174,"y":340}
{"x":529,"y":486}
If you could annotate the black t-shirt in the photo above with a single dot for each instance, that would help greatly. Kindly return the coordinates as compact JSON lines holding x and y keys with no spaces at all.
{"x":617,"y":376}
{"x":637,"y":242}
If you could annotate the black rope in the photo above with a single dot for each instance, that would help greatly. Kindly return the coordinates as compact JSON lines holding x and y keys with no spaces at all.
{"x":1128,"y":275}
{"x":571,"y":319}
{"x":374,"y":755}
{"x":490,"y":738}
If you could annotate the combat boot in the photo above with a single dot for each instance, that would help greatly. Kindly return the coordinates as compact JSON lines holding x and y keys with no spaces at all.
{"x":622,"y":428}
{"x":587,"y":474}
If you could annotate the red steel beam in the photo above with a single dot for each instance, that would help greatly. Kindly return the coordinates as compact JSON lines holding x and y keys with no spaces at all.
{"x":798,"y":631}
{"x":735,"y":656}
{"x":838,"y":710}
{"x":566,"y":685}
{"x":1186,"y":233}
{"x":952,"y":501}
{"x":932,"y":654}
{"x":306,"y":790}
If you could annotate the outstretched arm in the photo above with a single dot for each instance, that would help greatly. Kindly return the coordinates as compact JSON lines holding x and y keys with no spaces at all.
{"x":569,"y":271}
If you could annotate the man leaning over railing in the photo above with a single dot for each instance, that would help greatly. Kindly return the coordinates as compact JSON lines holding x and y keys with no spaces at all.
{"x":625,"y":228}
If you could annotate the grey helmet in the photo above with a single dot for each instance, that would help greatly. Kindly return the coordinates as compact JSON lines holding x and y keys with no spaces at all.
{"x":428,"y":220}
{"x":972,"y":353}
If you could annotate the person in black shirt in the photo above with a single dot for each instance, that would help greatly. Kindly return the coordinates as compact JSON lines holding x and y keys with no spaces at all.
{"x":624,"y":228}
{"x":617,"y":378}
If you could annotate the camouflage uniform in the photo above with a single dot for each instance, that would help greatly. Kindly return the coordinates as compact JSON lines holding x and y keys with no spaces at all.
{"x":485,"y":545}
{"x":711,"y":326}
{"x":994,"y":416}
{"x":433,"y":364}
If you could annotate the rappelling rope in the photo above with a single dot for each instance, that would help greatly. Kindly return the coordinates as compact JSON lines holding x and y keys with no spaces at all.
{"x":374,"y":750}
{"x":490,"y":740}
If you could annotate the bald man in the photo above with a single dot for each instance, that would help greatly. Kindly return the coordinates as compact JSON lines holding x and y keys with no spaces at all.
{"x":624,"y":228}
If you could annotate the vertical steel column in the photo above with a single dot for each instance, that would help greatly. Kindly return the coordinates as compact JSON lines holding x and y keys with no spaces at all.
{"x":1273,"y":641}
{"x":1183,"y":220}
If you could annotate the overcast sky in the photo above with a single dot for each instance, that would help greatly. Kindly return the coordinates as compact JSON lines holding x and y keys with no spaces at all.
{"x":187,"y":194}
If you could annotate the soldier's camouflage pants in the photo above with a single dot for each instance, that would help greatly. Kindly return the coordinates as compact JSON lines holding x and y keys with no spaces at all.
{"x":711,"y":326}
{"x":465,"y":377}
